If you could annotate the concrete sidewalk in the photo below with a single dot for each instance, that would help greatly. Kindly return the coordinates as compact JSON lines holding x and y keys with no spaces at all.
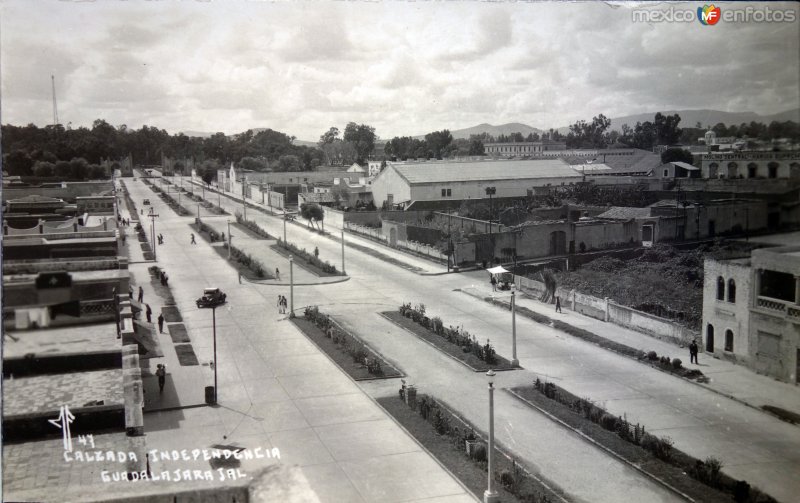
{"x":733,"y":381}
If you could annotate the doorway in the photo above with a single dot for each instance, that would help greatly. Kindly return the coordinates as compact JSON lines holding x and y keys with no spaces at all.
{"x":710,"y":338}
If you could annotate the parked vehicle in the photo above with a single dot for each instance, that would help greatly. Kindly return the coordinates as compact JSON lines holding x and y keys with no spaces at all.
{"x":146,"y":202}
{"x":212,"y":297}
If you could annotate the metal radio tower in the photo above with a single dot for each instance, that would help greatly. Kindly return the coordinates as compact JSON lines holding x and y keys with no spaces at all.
{"x":55,"y":108}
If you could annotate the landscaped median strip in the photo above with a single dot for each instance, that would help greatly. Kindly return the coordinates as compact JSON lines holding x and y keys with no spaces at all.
{"x":453,"y":341}
{"x":462,"y":449}
{"x":692,"y":479}
{"x":348,"y":351}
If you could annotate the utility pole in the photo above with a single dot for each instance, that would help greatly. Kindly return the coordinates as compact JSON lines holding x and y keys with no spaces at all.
{"x":230,"y":239}
{"x":343,"y":251}
{"x":244,"y":197}
{"x":152,"y":215}
{"x":291,"y":287}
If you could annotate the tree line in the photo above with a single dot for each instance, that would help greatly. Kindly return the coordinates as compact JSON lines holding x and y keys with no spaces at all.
{"x":26,"y":147}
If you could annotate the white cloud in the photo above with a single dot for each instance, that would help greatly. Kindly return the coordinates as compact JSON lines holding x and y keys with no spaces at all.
{"x":405,"y":68}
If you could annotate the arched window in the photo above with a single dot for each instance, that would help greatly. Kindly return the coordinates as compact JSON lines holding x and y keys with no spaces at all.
{"x":713,"y":170}
{"x":772,"y":169}
{"x":720,"y":288}
{"x":731,"y":290}
{"x":728,"y":340}
{"x":733,"y":170}
{"x":710,"y":338}
{"x":752,"y":170}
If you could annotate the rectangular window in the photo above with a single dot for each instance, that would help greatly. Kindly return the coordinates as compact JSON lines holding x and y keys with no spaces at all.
{"x":447,"y":192}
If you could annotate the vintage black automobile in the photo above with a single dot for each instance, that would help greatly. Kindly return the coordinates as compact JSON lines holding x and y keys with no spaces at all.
{"x":212,"y":297}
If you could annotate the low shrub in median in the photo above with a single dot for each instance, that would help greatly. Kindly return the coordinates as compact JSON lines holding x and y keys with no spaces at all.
{"x":313,"y":260}
{"x":707,"y":472}
{"x":454,"y":335}
{"x":248,"y":261}
{"x":466,"y":443}
{"x":252,"y":226}
{"x":352,"y":346}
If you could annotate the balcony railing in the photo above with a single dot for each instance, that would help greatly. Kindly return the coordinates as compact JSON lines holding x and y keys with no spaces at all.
{"x":789,"y":310}
{"x":771,"y":304}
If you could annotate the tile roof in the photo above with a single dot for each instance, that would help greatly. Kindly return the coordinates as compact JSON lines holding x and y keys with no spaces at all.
{"x":436,"y":172}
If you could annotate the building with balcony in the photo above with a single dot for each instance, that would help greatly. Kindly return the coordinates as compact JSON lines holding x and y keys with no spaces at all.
{"x":751,"y":311}
{"x":751,"y":164}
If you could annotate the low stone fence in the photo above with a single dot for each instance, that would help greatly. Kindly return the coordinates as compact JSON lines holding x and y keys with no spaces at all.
{"x":371,"y":232}
{"x":607,"y":310}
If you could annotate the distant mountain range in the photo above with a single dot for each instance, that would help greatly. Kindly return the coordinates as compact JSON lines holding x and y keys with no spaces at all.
{"x":505,"y":129}
{"x":689,"y":118}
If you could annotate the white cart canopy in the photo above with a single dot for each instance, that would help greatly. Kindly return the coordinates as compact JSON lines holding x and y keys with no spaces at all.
{"x":497,"y":270}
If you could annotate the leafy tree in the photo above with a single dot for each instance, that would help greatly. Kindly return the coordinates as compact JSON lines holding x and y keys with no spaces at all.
{"x":438,"y":141}
{"x":253,"y":164}
{"x":97,"y":172}
{"x":17,"y":163}
{"x":289,"y":163}
{"x":312,"y":212}
{"x":44,"y":169}
{"x":677,"y":155}
{"x":62,"y":170}
{"x":329,"y":137}
{"x":589,"y":134}
{"x":362,"y":137}
{"x":79,"y":168}
{"x":666,"y":128}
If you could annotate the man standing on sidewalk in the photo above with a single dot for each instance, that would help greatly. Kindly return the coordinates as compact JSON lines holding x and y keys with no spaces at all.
{"x":160,"y":323}
{"x":149,"y":313}
{"x":161,"y":372}
{"x":693,"y":349}
{"x":141,"y":294}
{"x":558,"y":304}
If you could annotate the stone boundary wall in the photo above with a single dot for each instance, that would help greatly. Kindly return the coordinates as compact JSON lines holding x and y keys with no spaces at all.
{"x":607,"y":310}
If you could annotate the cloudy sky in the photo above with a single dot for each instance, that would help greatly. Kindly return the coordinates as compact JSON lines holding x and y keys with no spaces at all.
{"x":405,"y":68}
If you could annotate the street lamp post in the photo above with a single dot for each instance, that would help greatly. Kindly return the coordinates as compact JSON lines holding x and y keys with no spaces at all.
{"x":490,"y":495}
{"x":291,"y":287}
{"x":153,"y":216}
{"x":230,"y":239}
{"x":284,"y":227}
{"x":198,"y":211}
{"x":214,"y":324}
{"x":514,"y":360}
{"x":490,"y":191}
{"x":343,"y":251}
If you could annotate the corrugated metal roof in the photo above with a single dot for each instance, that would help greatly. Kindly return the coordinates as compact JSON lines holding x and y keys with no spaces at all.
{"x":625,"y":213}
{"x":436,"y":172}
{"x":685,"y":166}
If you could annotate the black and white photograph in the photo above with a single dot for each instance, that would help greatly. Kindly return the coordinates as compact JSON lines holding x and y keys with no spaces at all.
{"x":395,"y":251}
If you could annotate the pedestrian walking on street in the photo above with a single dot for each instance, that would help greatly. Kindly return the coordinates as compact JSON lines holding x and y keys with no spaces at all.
{"x":693,"y":349}
{"x":493,"y":281}
{"x":277,"y":274}
{"x":193,"y":241}
{"x":284,"y":305}
{"x":160,"y":323}
{"x":161,"y":372}
{"x":149,"y":313}
{"x":141,"y":294}
{"x":316,"y":252}
{"x":558,"y":304}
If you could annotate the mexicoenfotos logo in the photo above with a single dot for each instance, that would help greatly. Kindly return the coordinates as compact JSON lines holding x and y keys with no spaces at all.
{"x":708,"y":14}
{"x":711,"y":15}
